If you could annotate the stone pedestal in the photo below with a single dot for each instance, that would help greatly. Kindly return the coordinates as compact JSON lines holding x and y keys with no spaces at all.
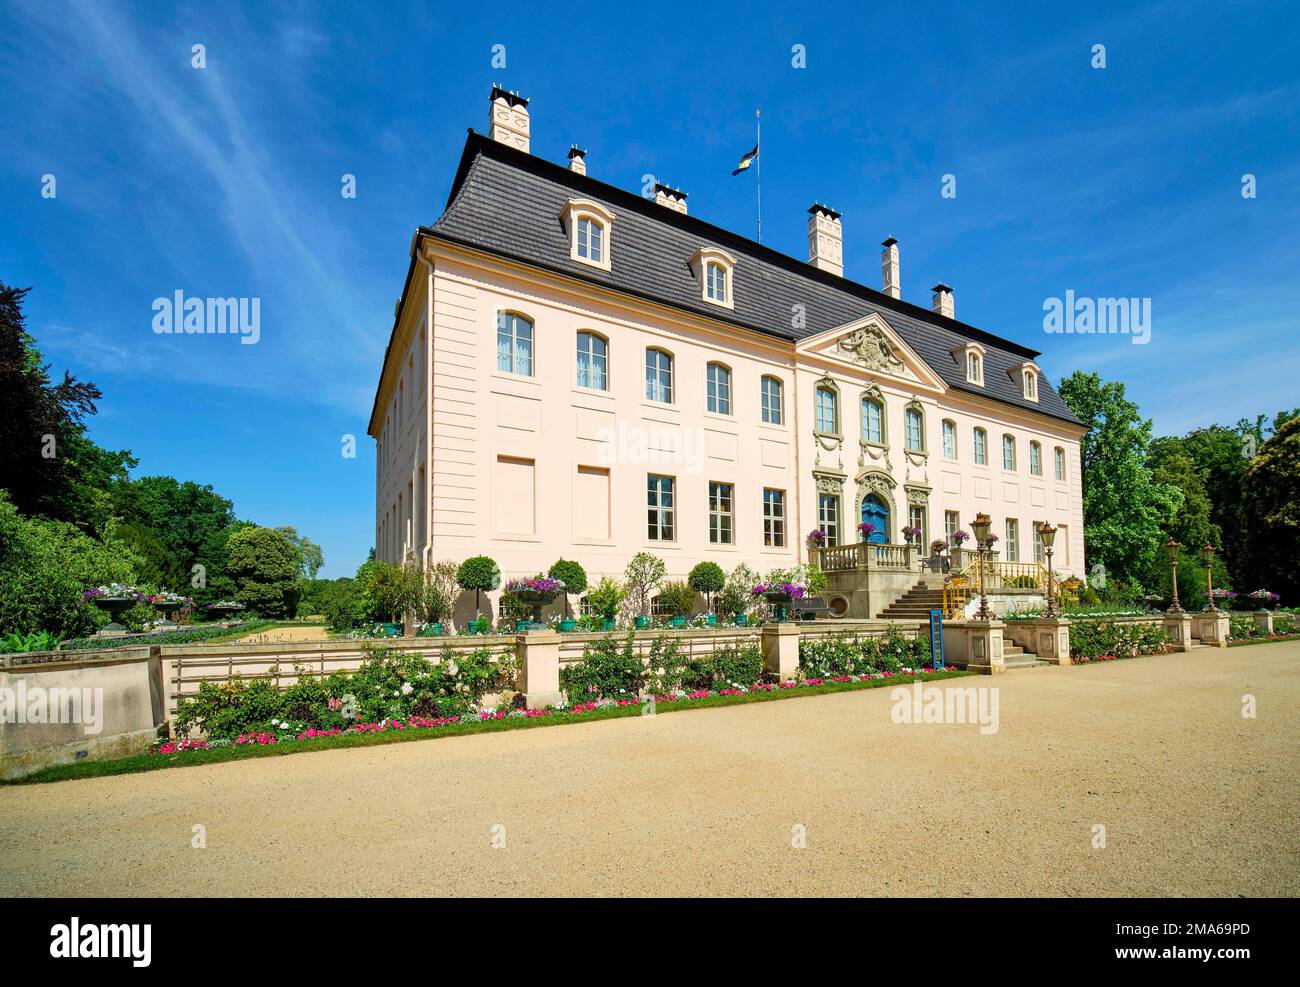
{"x":1178,"y":628}
{"x":1210,"y":627}
{"x":539,"y":667}
{"x":780,"y":644}
{"x":1264,"y":621}
{"x":975,"y":643}
{"x":1052,"y":640}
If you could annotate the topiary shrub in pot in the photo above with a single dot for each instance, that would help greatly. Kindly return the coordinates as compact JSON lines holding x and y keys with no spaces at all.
{"x":679,"y":600}
{"x":480,"y":574}
{"x":708,"y":578}
{"x":574,"y":577}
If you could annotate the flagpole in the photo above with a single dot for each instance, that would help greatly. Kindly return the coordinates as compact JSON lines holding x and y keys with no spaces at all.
{"x":758,"y":143}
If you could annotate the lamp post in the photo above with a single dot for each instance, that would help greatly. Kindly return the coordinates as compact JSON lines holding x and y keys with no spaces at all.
{"x":1207,"y":560}
{"x":981,"y":528}
{"x":1047,"y":533}
{"x":1171,"y":549}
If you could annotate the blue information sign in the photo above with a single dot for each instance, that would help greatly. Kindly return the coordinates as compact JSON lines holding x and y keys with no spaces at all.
{"x":936,"y":638}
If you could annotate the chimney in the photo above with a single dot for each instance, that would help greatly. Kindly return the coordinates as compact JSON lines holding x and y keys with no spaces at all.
{"x":942,"y":302}
{"x":508,"y":122}
{"x":825,"y":239}
{"x":577,"y":160}
{"x":673,"y":198}
{"x":889,"y":268}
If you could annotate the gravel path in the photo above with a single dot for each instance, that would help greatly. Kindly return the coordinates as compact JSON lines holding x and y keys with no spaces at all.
{"x":1195,"y":799}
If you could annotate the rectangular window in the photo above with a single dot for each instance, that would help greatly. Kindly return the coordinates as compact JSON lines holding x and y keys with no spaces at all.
{"x":1038,"y":542}
{"x":980,"y":447}
{"x":718,"y":387}
{"x":1035,"y":459}
{"x":658,"y":376}
{"x":1060,"y":464}
{"x":591,"y":503}
{"x":949,"y":440}
{"x":1008,"y":453}
{"x":828,"y":517}
{"x":827,"y":419}
{"x":593,"y":361}
{"x":770,"y":395}
{"x":912,"y":420}
{"x":951,"y":523}
{"x":773,"y":518}
{"x":591,"y":240}
{"x":721,"y":516}
{"x":1013,"y":540}
{"x":514,"y":344}
{"x":916,"y":519}
{"x":661,"y":508}
{"x":872,"y":422}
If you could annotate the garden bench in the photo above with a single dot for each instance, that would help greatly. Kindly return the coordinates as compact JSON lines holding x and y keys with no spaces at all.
{"x":811,"y":607}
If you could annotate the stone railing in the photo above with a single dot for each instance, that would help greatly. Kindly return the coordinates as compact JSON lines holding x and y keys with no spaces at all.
{"x":866,"y":555}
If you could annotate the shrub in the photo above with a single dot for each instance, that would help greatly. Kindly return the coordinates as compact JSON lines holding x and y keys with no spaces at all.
{"x":574,"y":577}
{"x":677,"y":598}
{"x":480,"y":574}
{"x":36,"y":641}
{"x":1284,"y":623}
{"x":438,"y":596}
{"x":135,"y":617}
{"x":264,"y":565}
{"x":608,"y":669}
{"x":707,"y":578}
{"x":1242,"y":625}
{"x":642,"y":576}
{"x":844,"y":654}
{"x":605,"y":598}
{"x":737,"y":596}
{"x":1091,"y":639}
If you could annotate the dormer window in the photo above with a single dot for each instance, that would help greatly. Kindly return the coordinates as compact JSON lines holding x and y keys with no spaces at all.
{"x":589,"y":225}
{"x":1026,"y":374}
{"x":713,"y":269}
{"x":971,"y":356}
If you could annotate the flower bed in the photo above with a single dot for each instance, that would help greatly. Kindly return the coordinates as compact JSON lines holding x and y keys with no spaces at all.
{"x":1105,"y":640}
{"x":838,"y":655}
{"x":193,"y":635}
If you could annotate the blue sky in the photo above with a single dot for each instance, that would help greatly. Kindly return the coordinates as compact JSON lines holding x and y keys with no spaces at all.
{"x":224,"y":181}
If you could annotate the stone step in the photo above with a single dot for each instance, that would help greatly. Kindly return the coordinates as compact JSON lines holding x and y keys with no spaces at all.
{"x":1025,"y":661}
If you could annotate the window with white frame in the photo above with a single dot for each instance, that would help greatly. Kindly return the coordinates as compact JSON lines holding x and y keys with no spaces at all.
{"x":514,"y":344}
{"x":951,"y":523}
{"x":1013,"y":540}
{"x":1060,"y":463}
{"x":713,"y":270}
{"x":773,"y":518}
{"x":591,"y":240}
{"x":873,"y":421}
{"x":949,"y":439}
{"x":1035,"y":459}
{"x":661,"y":509}
{"x":593,"y":361}
{"x":1038,"y":542}
{"x":827,"y":416}
{"x":721,"y":514}
{"x":828,"y":517}
{"x":718,"y":380}
{"x":980,"y":447}
{"x":1030,"y":379}
{"x":658,"y":376}
{"x":916,"y":518}
{"x":914,"y":429}
{"x":715,"y":282}
{"x":1008,"y":452}
{"x":770,"y":397}
{"x":589,"y":225}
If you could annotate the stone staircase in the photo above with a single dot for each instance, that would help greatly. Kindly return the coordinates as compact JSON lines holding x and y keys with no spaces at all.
{"x":915,"y":604}
{"x":1017,"y":657}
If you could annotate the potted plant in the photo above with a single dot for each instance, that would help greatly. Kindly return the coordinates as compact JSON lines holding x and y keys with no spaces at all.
{"x":735,"y":598}
{"x":168,"y":603}
{"x":679,"y":600}
{"x":866,"y":529}
{"x":535,"y":592}
{"x":574,"y":578}
{"x":224,"y":609}
{"x":817,"y":538}
{"x":780,"y":595}
{"x":912,"y":534}
{"x":642,"y":576}
{"x":437,"y":598}
{"x":480,"y":574}
{"x":114,"y":599}
{"x":604,"y":599}
{"x":708,"y":578}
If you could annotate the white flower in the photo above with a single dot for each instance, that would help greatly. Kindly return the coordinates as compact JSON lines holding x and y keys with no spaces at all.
{"x":407,"y":688}
{"x":451,"y":668}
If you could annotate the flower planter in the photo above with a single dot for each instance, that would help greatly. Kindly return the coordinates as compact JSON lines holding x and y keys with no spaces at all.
{"x":780,"y":606}
{"x":167,"y":608}
{"x":742,"y":619}
{"x":712,"y":620}
{"x":568,"y":625}
{"x":390,"y":630}
{"x":430,"y":630}
{"x":678,"y":621}
{"x":114,"y":606}
{"x":522,"y":625}
{"x":642,"y":623}
{"x":607,"y":624}
{"x":536,"y":599}
{"x":218,"y":612}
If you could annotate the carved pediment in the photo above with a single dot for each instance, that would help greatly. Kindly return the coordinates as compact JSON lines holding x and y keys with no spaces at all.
{"x":869,"y":347}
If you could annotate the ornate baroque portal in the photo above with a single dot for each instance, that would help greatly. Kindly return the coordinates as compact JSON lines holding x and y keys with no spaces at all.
{"x":881,"y":484}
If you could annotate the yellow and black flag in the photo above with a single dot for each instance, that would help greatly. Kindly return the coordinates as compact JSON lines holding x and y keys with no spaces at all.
{"x":746,"y":161}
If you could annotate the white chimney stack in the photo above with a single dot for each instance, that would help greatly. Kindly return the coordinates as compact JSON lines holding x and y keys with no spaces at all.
{"x":889,"y":268}
{"x":577,"y":160}
{"x":508,"y":122}
{"x":825,"y":239}
{"x":673,"y":198}
{"x":942,"y":302}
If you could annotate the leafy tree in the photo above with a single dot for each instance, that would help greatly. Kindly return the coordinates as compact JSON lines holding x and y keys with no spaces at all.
{"x":737,"y":595}
{"x":1124,"y":509}
{"x":707,"y":578}
{"x":574,"y":577}
{"x":45,"y":565}
{"x":184,"y":518}
{"x":1271,"y":514}
{"x":642,"y":576}
{"x":480,"y":574}
{"x":310,"y":556}
{"x":438,"y":597}
{"x":264,"y":565}
{"x":47,"y":463}
{"x":677,"y":598}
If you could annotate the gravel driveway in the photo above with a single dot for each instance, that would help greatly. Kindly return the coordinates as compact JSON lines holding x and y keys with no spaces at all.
{"x":1194,"y":798}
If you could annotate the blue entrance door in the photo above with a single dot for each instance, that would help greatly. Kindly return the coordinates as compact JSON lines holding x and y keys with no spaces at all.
{"x":877,"y":513}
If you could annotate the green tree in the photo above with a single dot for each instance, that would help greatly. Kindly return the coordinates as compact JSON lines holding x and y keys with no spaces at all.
{"x":264,"y":566}
{"x":642,"y":576}
{"x":184,"y":517}
{"x":310,"y":556}
{"x":480,"y":574}
{"x":1124,"y":509}
{"x":1270,"y":507}
{"x":574,"y":577}
{"x":707,"y":578}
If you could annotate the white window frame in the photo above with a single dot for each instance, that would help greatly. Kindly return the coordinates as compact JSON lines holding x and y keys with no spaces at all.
{"x":717,"y":388}
{"x":722,"y":513}
{"x":949,"y":430}
{"x":661,"y":501}
{"x":701,"y":263}
{"x":574,"y":213}
{"x":514,"y":336}
{"x":771,"y":398}
{"x":663,"y":377}
{"x":773,"y":517}
{"x":592,"y":358}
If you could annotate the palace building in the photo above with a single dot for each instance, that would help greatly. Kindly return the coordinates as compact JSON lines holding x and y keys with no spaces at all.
{"x":580,"y":371}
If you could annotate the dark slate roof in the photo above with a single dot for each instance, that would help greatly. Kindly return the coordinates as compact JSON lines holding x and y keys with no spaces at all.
{"x":508,"y":203}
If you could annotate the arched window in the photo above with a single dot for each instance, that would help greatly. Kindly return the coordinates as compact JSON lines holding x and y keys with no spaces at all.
{"x":514,"y":344}
{"x":914,"y":428}
{"x":1008,"y":452}
{"x":949,"y":439}
{"x":658,"y":376}
{"x":1060,"y":463}
{"x":973,"y":373}
{"x":873,"y":421}
{"x":827,"y":416}
{"x":715,"y":282}
{"x":1035,"y":459}
{"x":591,"y":240}
{"x":593,"y":361}
{"x":770,"y":397}
{"x":981,"y":447}
{"x":718,"y":388}
{"x":1031,"y":384}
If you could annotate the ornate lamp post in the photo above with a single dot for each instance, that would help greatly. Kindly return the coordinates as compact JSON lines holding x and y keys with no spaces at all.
{"x":1047,"y":533}
{"x":1207,"y":560}
{"x":981,"y":526}
{"x":1171,"y":549}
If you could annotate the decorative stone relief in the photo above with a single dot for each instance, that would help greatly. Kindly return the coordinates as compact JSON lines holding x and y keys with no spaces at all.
{"x":871,"y":348}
